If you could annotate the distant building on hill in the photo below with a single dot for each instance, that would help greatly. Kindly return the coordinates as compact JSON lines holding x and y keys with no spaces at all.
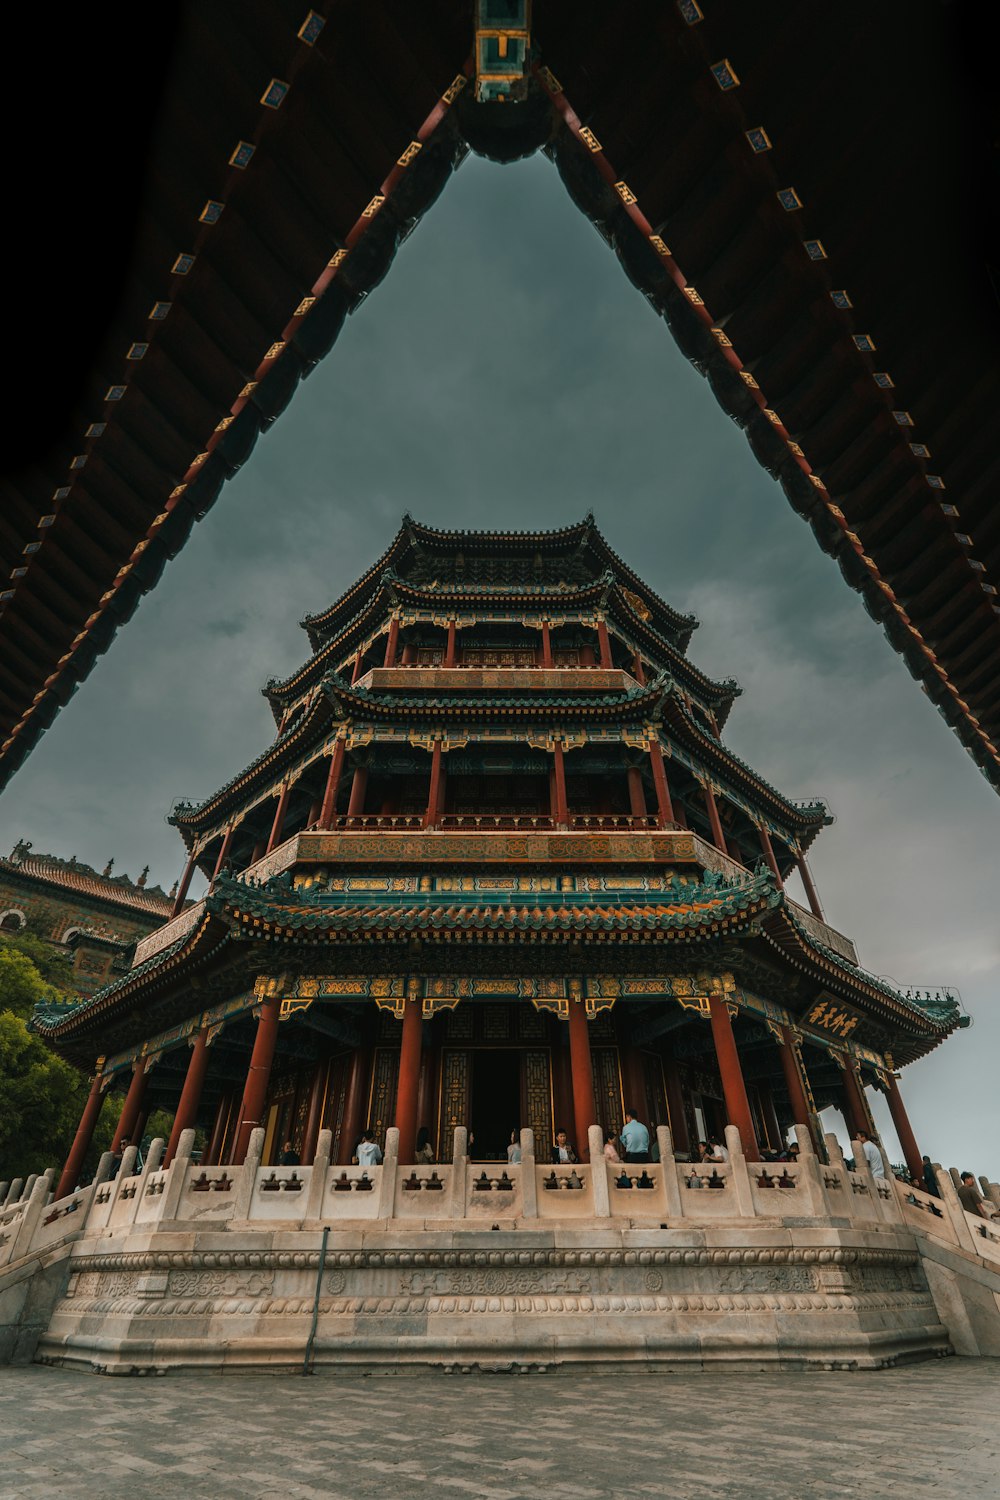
{"x":93,"y":917}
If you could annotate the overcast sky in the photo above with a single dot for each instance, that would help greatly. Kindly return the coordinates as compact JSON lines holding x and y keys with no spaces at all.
{"x":507,"y":375}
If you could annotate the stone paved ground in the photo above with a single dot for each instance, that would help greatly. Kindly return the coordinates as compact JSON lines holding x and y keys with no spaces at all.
{"x":925,"y":1431}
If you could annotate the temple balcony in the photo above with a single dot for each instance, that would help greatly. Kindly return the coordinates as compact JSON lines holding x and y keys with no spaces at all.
{"x":478,"y":679}
{"x":485,"y":838}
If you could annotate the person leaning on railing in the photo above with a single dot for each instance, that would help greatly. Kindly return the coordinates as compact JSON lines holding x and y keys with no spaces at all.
{"x":972,"y":1199}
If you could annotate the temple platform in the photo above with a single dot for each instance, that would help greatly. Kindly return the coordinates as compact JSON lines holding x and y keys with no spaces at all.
{"x":481,"y":1266}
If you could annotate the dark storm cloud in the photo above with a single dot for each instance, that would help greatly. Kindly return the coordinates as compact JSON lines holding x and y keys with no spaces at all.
{"x":507,"y":375}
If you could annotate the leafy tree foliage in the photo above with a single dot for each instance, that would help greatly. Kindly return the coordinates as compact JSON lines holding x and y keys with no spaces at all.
{"x":41,"y":1097}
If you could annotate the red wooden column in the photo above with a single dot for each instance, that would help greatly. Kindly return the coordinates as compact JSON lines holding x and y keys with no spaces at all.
{"x":604,"y":643}
{"x":187,"y":1109}
{"x":715,"y":823}
{"x":664,"y":806}
{"x":277,"y":827}
{"x":636,"y":793}
{"x":131,"y":1107}
{"x":858,"y":1117}
{"x":409,"y":652}
{"x":772,"y":1127}
{"x":356,"y":669}
{"x":637,"y":669}
{"x":451,"y":649}
{"x":359,"y":787}
{"x":258,"y":1077}
{"x":434,"y":790}
{"x":767,"y":849}
{"x":811,"y":892}
{"x":392,"y":642}
{"x":582,"y":1070}
{"x":223,"y":852}
{"x":734,"y":1089}
{"x":675,"y":1106}
{"x":182,"y":889}
{"x":546,"y":644}
{"x":214,"y":1148}
{"x":328,"y":811}
{"x":407,"y":1089}
{"x":797,"y":1085}
{"x":908,"y":1141}
{"x":314,"y":1114}
{"x":560,"y":808}
{"x":84,"y":1135}
{"x":355,"y":1105}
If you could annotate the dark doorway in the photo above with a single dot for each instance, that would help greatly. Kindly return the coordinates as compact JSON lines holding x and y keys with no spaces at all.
{"x":496,"y":1102}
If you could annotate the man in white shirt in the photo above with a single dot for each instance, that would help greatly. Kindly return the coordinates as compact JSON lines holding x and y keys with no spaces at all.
{"x":873,"y":1155}
{"x":369,"y":1151}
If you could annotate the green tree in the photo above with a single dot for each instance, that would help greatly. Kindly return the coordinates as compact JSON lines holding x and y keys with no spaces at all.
{"x":41,"y":1097}
{"x":52,"y":965}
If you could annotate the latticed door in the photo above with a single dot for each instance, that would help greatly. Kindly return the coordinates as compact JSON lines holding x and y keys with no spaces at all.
{"x":536,"y":1097}
{"x":455,"y":1098}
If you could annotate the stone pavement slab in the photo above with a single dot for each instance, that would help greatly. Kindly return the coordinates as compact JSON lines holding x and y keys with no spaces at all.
{"x":923,"y":1432}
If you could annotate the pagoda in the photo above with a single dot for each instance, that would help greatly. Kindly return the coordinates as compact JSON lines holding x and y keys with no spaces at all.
{"x":497,"y":869}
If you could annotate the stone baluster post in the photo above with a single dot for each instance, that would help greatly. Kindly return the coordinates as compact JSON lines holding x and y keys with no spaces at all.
{"x":247,"y":1177}
{"x":29,"y":1221}
{"x":739,"y":1177}
{"x":668,"y":1164}
{"x":529,"y":1183}
{"x":600,"y":1192}
{"x":387,"y":1179}
{"x":459,"y":1172}
{"x":178,"y":1174}
{"x":317,"y":1181}
{"x":810,"y":1173}
{"x":13,"y":1192}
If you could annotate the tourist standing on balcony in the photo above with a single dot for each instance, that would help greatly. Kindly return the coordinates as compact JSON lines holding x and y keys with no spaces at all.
{"x":635,"y":1138}
{"x":972,"y":1199}
{"x":369,"y":1151}
{"x":873,"y":1155}
{"x":562,"y":1151}
{"x":424,"y":1153}
{"x":514,"y":1149}
{"x":930,"y":1178}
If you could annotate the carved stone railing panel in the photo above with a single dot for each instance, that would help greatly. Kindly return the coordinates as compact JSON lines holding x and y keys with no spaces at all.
{"x":176,"y":928}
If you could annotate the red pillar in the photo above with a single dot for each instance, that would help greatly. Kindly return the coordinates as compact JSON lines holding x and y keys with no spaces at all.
{"x":793,"y":1068}
{"x":768,"y":851}
{"x":258,"y":1076}
{"x":409,"y":1079}
{"x":392,"y":643}
{"x":314,"y":1115}
{"x":408,"y":654}
{"x":328,"y":812}
{"x":355,"y":1106}
{"x":451,"y":652}
{"x":433,"y":791}
{"x":187,"y":1109}
{"x":675,"y":1106}
{"x":359,"y":787}
{"x":279,"y":818}
{"x":581,"y":1067}
{"x":858,"y":1117}
{"x":908,"y":1141}
{"x":356,"y":670}
{"x":214,"y":1148}
{"x":81,"y":1141}
{"x":223,"y":852}
{"x":182,"y":889}
{"x":715,"y":823}
{"x":560,"y":811}
{"x":664,"y":806}
{"x":636,"y":793}
{"x":604,"y":643}
{"x":811,"y":893}
{"x":771,"y":1126}
{"x":546,"y":645}
{"x":131,"y":1107}
{"x":734,"y":1089}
